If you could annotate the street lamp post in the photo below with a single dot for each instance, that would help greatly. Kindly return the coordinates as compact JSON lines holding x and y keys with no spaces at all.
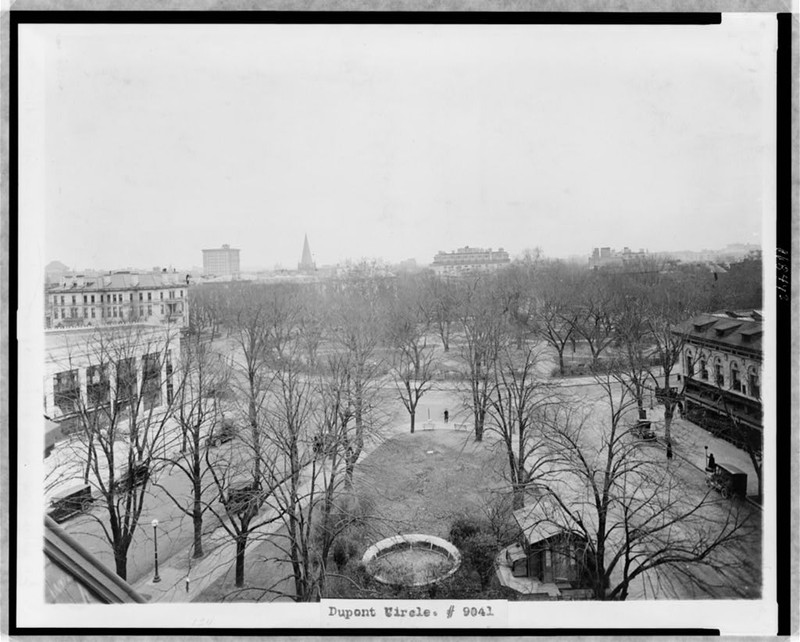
{"x":155,"y":543}
{"x":706,"y":449}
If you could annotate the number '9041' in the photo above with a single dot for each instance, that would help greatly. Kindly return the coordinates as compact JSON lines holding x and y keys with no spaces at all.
{"x":471,"y":611}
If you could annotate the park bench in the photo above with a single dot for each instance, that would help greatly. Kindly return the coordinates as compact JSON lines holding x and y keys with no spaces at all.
{"x":428,"y":425}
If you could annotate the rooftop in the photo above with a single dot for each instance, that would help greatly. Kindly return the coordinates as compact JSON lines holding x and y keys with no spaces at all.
{"x":741,"y":329}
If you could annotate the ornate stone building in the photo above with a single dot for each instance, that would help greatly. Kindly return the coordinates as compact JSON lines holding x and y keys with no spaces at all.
{"x":721,"y":370}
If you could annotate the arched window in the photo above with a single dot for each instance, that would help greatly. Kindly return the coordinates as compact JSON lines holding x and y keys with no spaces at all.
{"x":719,"y":376}
{"x":703,"y":368}
{"x":689,"y":364}
{"x":753,"y":383}
{"x":736,"y":380}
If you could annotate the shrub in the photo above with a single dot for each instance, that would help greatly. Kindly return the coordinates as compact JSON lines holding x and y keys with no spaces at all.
{"x":478,"y":551}
{"x":465,"y":527}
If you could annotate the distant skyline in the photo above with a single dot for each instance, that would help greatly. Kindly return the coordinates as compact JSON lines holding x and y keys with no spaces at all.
{"x":248,"y":267}
{"x":396,"y":142}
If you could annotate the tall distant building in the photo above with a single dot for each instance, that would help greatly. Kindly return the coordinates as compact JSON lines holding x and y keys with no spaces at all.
{"x":306,"y":262}
{"x":223,"y":261}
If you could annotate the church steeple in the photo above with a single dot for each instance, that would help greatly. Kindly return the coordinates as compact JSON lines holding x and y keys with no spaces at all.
{"x":306,"y":262}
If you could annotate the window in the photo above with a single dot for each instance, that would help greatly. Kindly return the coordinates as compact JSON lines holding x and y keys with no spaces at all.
{"x":162,"y":310}
{"x":101,"y":298}
{"x":161,"y":296}
{"x":115,"y":310}
{"x":97,"y":386}
{"x":73,"y":300}
{"x":62,"y":300}
{"x":753,"y":383}
{"x":86,"y":313}
{"x":181,"y":293}
{"x":719,"y":378}
{"x":149,"y":296}
{"x":141,"y":295}
{"x":85,"y":299}
{"x":151,"y":380}
{"x":736,"y":382}
{"x":689,"y":365}
{"x":703,"y":370}
{"x":93,"y":298}
{"x":93,"y":313}
{"x":67,"y":391}
{"x":130,"y":297}
{"x":55,"y":313}
{"x":73,"y":313}
{"x":126,"y":381}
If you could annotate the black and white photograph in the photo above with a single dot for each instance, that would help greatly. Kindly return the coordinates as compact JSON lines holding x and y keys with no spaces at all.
{"x":331,"y":323}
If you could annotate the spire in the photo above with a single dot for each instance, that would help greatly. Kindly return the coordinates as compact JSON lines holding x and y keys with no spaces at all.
{"x":306,"y":263}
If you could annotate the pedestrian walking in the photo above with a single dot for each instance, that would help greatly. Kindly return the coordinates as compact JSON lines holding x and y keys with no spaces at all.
{"x":446,"y":416}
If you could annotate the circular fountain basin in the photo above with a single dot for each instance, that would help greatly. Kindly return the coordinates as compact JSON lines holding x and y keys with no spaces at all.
{"x":412,"y":559}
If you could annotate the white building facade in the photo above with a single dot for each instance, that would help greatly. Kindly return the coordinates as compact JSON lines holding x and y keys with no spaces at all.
{"x":88,"y":369}
{"x":117,"y":298}
{"x":469,"y":260}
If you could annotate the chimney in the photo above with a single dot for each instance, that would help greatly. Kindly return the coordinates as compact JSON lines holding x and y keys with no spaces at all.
{"x":106,"y":280}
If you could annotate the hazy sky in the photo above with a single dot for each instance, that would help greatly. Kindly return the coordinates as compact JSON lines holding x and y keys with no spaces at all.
{"x":398,"y":141}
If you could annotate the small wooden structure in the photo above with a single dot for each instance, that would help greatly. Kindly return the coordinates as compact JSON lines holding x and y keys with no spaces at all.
{"x":552,"y":554}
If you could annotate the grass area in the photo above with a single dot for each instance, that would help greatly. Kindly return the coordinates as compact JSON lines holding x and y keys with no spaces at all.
{"x":414,"y":483}
{"x":420,"y":483}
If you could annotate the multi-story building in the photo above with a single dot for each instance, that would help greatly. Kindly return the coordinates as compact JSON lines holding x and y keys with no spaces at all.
{"x":118,"y":297}
{"x":467,"y":260}
{"x":721,"y":370}
{"x":222,"y":261}
{"x":606,"y":256}
{"x":89,"y":368}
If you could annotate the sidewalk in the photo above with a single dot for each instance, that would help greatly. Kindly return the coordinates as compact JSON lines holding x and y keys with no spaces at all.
{"x":220,"y":558}
{"x":689,"y":441}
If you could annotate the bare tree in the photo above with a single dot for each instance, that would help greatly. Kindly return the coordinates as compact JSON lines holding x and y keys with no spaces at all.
{"x":557,"y":314}
{"x":203,"y":378}
{"x":517,"y":400}
{"x":413,"y":360}
{"x":357,"y":320}
{"x":121,"y":421}
{"x":595,"y":322}
{"x":485,"y":333}
{"x":441,"y":305}
{"x":634,"y":515}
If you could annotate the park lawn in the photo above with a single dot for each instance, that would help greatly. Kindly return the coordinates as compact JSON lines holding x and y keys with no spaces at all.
{"x":420,"y":483}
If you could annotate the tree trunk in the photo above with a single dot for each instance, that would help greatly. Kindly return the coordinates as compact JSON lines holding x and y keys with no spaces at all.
{"x":561,"y":361}
{"x":413,"y":418}
{"x":241,"y":545}
{"x":479,"y":419}
{"x":121,"y":564}
{"x":668,"y":414}
{"x":197,"y":520}
{"x":518,"y":496}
